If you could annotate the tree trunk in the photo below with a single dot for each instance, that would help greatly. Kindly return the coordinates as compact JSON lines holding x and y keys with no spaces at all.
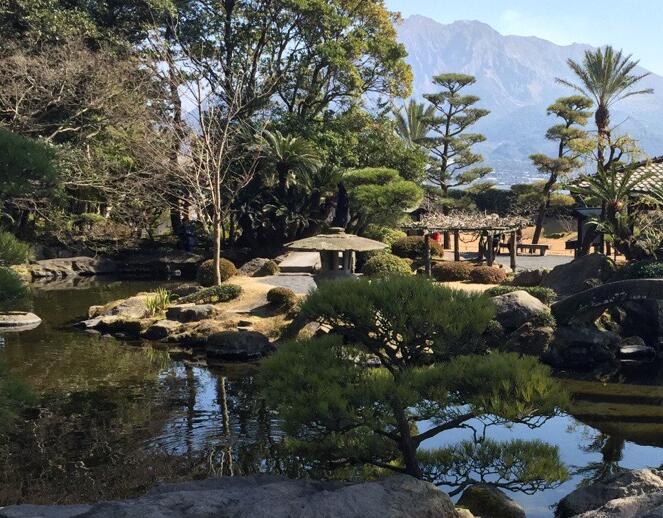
{"x":406,"y":445}
{"x":217,"y":249}
{"x":543,"y":206}
{"x":602,"y":119}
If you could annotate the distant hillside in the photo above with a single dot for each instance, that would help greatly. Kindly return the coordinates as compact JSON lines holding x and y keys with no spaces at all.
{"x":516,"y":81}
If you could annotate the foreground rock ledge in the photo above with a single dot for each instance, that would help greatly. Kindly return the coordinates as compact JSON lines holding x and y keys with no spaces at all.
{"x":263,"y":496}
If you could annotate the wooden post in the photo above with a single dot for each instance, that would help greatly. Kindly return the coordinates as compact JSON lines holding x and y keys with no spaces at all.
{"x":489,"y":249}
{"x":513,"y":249}
{"x":427,"y":265}
{"x":456,"y":245}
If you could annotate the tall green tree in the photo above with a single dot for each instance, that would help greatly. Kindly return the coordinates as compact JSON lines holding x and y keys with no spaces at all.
{"x":413,"y":121}
{"x":572,"y":143}
{"x":607,"y":76}
{"x":379,"y":196}
{"x":455,"y":163}
{"x":432,"y":379}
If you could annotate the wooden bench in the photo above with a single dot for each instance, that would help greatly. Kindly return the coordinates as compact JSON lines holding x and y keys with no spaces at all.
{"x":526,"y":247}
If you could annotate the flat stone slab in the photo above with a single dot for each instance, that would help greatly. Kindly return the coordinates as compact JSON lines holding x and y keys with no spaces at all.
{"x":300,"y":262}
{"x":16,"y":319}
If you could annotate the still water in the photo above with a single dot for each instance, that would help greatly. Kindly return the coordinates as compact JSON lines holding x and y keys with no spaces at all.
{"x":113,"y":418}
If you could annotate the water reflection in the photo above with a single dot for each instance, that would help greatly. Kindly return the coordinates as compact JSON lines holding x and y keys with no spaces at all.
{"x":114,"y":418}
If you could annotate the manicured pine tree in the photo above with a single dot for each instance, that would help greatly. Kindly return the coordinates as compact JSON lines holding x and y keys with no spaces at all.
{"x":572,"y":143}
{"x":454,"y":163}
{"x":432,"y":376}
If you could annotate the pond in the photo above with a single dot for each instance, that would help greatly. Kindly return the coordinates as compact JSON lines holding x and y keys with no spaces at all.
{"x":113,"y":418}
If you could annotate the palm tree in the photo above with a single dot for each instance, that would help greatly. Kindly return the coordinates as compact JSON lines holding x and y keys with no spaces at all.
{"x":412,"y":121}
{"x":290,"y":156}
{"x":618,"y":189}
{"x":606,"y":77}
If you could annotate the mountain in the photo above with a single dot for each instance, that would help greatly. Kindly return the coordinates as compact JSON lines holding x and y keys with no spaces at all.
{"x":516,"y":81}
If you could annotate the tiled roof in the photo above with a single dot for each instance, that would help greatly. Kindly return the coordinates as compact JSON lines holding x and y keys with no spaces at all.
{"x":651,"y":172}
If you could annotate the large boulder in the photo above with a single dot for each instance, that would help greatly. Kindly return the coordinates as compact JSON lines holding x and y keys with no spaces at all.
{"x":133,"y":307}
{"x":161,"y":329}
{"x":489,"y":502}
{"x":71,"y":267}
{"x":582,"y":348}
{"x":238,"y":346}
{"x":259,"y":267}
{"x":630,"y":487}
{"x":190,"y":312}
{"x":579,"y":275}
{"x":518,"y":307}
{"x":530,"y":339}
{"x":262,"y":496}
{"x":529,"y":278}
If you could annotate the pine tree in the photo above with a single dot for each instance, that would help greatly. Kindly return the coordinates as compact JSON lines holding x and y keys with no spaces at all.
{"x":572,"y":143}
{"x":455,"y":163}
{"x":432,"y":377}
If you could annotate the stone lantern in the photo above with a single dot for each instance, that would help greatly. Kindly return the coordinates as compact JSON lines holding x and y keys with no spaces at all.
{"x":336,"y":249}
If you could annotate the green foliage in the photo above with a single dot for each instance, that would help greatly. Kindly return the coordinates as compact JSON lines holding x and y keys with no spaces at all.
{"x":14,"y":295}
{"x":12,"y":251}
{"x":339,"y":413}
{"x":385,"y":235}
{"x":206,"y":276}
{"x":408,"y":313}
{"x":380,"y":196}
{"x":640,"y":270}
{"x":625,"y":214}
{"x":282,"y":298}
{"x":452,"y":271}
{"x":157,"y":302}
{"x":413,"y":122}
{"x":527,"y":466}
{"x":213,"y":295}
{"x":545,"y":295}
{"x":488,"y":275}
{"x":454,"y":163}
{"x":414,"y":247}
{"x":14,"y":395}
{"x":269,"y":268}
{"x":386,"y":264}
{"x":25,"y":165}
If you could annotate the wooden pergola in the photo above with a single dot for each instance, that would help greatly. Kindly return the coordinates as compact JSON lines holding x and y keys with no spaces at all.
{"x":490,"y":228}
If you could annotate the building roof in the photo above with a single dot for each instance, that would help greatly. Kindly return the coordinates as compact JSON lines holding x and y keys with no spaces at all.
{"x":650,"y":173}
{"x":336,"y":241}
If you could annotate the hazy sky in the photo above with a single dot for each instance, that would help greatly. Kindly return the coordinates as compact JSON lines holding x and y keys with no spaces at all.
{"x":634,"y":25}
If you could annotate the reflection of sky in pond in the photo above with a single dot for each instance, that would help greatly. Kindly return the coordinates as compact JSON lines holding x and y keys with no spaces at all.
{"x":187,"y":413}
{"x":195,"y":426}
{"x":570,"y":435}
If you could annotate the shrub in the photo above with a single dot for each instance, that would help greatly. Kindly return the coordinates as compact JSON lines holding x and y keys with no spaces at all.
{"x":413,"y":247}
{"x":157,"y":302}
{"x":269,"y":268}
{"x":451,"y":271}
{"x":640,"y":270}
{"x":383,"y":264}
{"x":385,"y":235}
{"x":205,"y":275}
{"x":545,"y":295}
{"x":213,"y":295}
{"x":282,"y":298}
{"x":488,"y":275}
{"x":14,"y":295}
{"x":12,"y":251}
